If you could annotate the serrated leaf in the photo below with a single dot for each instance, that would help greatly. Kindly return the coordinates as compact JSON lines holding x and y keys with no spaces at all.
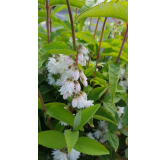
{"x":114,"y":70}
{"x":99,"y":81}
{"x":103,"y":119}
{"x":86,"y":115}
{"x":90,"y":146}
{"x":96,"y":93}
{"x":61,"y":114}
{"x":114,"y":10}
{"x":113,"y":139}
{"x":74,"y":3}
{"x":71,"y":139}
{"x":52,"y":139}
{"x":77,"y":119}
{"x":102,"y":112}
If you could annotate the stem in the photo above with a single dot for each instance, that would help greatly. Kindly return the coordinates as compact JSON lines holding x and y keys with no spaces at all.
{"x":124,"y":38}
{"x":44,"y":108}
{"x":50,"y":22}
{"x":97,"y":58}
{"x":93,"y":38}
{"x":72,"y":24}
{"x":48,"y":32}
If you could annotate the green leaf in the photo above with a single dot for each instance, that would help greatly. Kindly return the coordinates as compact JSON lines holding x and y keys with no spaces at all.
{"x":42,"y":1}
{"x":90,"y":146}
{"x":74,"y":3}
{"x":114,"y":70}
{"x":71,"y":139}
{"x":49,"y":104}
{"x":59,"y":127}
{"x":103,"y":118}
{"x":96,"y":93}
{"x":113,"y":139}
{"x":42,"y":59}
{"x":52,"y":139}
{"x":125,"y":116}
{"x":89,"y":71}
{"x":126,"y":141}
{"x":107,"y":104}
{"x":61,"y":114}
{"x":79,"y":35}
{"x":91,"y":122}
{"x":86,"y":115}
{"x":87,"y":89}
{"x":77,"y":119}
{"x":61,"y":51}
{"x":114,"y":10}
{"x":99,"y":81}
{"x":40,"y":104}
{"x":115,"y":54}
{"x":102,"y":112}
{"x":58,"y":8}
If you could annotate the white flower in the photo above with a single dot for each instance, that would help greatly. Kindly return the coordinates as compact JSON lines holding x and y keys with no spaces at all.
{"x":120,"y":111}
{"x":50,"y":79}
{"x":122,"y":72}
{"x":90,"y":135}
{"x":69,"y":60}
{"x":52,"y":65}
{"x":80,"y":57}
{"x":78,"y":87}
{"x":82,"y":49}
{"x":58,"y":155}
{"x":74,"y":102}
{"x":120,"y":125}
{"x":84,"y":82}
{"x":74,"y":155}
{"x":97,"y":133}
{"x":63,"y":123}
{"x":88,"y":103}
{"x":103,"y":139}
{"x":83,"y":63}
{"x":75,"y":73}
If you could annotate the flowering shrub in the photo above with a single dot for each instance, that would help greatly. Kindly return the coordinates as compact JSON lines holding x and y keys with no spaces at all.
{"x":83,"y":81}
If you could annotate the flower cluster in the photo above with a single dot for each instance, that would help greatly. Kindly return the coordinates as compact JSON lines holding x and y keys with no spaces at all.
{"x":99,"y":133}
{"x":69,"y":75}
{"x":63,"y":155}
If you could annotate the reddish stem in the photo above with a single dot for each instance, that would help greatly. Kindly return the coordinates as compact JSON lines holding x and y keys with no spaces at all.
{"x":97,"y":58}
{"x":44,"y":108}
{"x":121,"y":48}
{"x":72,"y":24}
{"x":93,"y":38}
{"x":48,"y":32}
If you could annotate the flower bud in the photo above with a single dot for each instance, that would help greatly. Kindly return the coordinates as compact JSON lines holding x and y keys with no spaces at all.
{"x":75,"y":73}
{"x":78,"y":87}
{"x":80,"y":57}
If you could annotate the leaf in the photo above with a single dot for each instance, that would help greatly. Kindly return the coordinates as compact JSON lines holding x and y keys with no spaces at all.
{"x":77,"y":119}
{"x":125,"y":116}
{"x":42,"y":1}
{"x":59,"y":127}
{"x":96,"y":93}
{"x":113,"y":139}
{"x":49,"y":104}
{"x":90,"y":147}
{"x":61,"y":51}
{"x":103,"y":119}
{"x":114,"y":10}
{"x":87,"y":89}
{"x":89,"y":71}
{"x":74,"y":3}
{"x":52,"y":139}
{"x":40,"y":104}
{"x":79,"y":35}
{"x":58,"y":8}
{"x":71,"y":139}
{"x":91,"y":122}
{"x":107,"y":104}
{"x":42,"y":59}
{"x":115,"y":54}
{"x":61,"y":114}
{"x":102,"y":112}
{"x":86,"y":115}
{"x":126,"y":141}
{"x":43,"y":89}
{"x":99,"y":81}
{"x":114,"y":70}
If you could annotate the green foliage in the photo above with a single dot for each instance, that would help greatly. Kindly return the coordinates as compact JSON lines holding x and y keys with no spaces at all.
{"x":115,"y":10}
{"x":52,"y":139}
{"x":71,"y":138}
{"x":86,"y":115}
{"x":125,"y":116}
{"x":99,"y":81}
{"x":77,"y":119}
{"x":114,"y":70}
{"x":113,"y":139}
{"x":74,"y":3}
{"x":90,"y":146}
{"x":61,"y":114}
